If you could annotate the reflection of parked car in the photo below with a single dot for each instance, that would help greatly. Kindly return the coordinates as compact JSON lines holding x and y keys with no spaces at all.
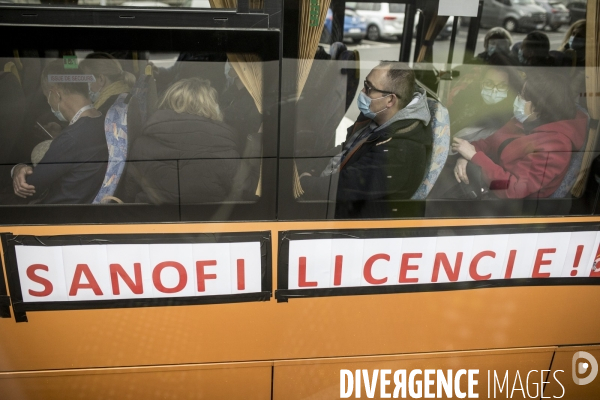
{"x":556,"y":13}
{"x":578,"y":10}
{"x":384,"y":20}
{"x":355,"y":27}
{"x":513,"y":15}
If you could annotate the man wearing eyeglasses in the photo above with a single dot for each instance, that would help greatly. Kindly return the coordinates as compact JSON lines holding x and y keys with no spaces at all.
{"x":386,"y":151}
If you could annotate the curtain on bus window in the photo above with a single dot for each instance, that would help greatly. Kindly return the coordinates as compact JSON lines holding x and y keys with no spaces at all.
{"x":592,"y":87}
{"x":247,"y":66}
{"x":310,"y":33}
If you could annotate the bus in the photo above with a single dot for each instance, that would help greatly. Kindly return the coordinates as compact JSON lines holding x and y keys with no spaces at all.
{"x":216,"y":200}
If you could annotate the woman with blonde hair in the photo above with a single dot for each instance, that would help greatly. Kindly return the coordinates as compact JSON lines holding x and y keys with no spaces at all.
{"x":111,"y":80}
{"x":185,"y":154}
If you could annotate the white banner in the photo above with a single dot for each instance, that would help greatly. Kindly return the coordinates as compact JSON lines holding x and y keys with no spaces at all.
{"x":132,"y":271}
{"x":331,"y":263}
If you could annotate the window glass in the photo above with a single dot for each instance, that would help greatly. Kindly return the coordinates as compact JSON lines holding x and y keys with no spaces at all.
{"x":432,"y":139}
{"x":111,"y":128}
{"x":366,"y":6}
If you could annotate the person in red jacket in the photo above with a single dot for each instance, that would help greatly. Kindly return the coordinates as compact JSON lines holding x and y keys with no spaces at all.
{"x":529,"y":156}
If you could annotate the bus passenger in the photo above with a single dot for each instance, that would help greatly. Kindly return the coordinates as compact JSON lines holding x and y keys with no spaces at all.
{"x":386,"y":150}
{"x":498,"y":42}
{"x":185,"y":152}
{"x":535,"y":50}
{"x":484,"y":106}
{"x":111,"y":80}
{"x":529,"y":156}
{"x":73,"y":168}
{"x":573,"y":45}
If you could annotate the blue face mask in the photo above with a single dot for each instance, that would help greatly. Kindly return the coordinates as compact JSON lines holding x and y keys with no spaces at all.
{"x":230,"y":79}
{"x":56,"y":113}
{"x":519,"y":109}
{"x":93,"y":95}
{"x":491,"y":49}
{"x":364,"y":105}
{"x":576,"y":43}
{"x":521,"y":58}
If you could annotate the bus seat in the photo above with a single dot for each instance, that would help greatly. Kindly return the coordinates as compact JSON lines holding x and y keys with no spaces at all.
{"x":115,"y":129}
{"x":440,"y":129}
{"x":574,"y":165}
{"x":11,"y":68}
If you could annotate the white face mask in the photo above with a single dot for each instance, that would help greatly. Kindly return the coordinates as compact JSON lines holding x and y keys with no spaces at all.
{"x":492,"y":96}
{"x":519,"y":109}
{"x":93,"y":95}
{"x":56,"y":113}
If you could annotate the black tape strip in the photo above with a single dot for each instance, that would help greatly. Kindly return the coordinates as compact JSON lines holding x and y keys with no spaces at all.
{"x":133,"y":303}
{"x":4,"y":298}
{"x":282,"y":268}
{"x":284,"y":295}
{"x":441,"y":231}
{"x":20,"y":308}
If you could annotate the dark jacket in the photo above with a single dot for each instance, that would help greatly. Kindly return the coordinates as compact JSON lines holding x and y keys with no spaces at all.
{"x":74,"y":166}
{"x":182,"y":158}
{"x":388,"y":165}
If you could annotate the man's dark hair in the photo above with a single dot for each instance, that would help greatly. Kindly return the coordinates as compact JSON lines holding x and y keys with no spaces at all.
{"x":550,"y":95}
{"x":57,"y":67}
{"x":401,"y":80}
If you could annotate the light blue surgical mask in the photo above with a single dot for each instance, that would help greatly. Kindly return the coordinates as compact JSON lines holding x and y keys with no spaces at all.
{"x":364,"y":105}
{"x":519,"y":109}
{"x":230,"y":79}
{"x":93,"y":95}
{"x":491,"y":49}
{"x":521,"y":58}
{"x":492,"y":96}
{"x":576,"y":43}
{"x":56,"y":113}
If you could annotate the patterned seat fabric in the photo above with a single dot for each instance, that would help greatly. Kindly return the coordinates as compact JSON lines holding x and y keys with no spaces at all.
{"x":440,"y":127}
{"x":115,"y":129}
{"x":574,"y":166}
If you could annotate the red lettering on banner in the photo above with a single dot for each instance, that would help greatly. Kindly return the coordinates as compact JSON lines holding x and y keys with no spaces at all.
{"x":302,"y":282}
{"x":241,"y":274}
{"x":539,"y":261}
{"x":76,"y":284}
{"x":158,"y":283}
{"x":117,"y":270}
{"x":202,"y":277}
{"x":38,"y":279}
{"x":452,"y":274}
{"x":368,"y":270}
{"x":473,"y":267}
{"x":337,"y":273}
{"x":405,"y":267}
{"x":510,"y":264}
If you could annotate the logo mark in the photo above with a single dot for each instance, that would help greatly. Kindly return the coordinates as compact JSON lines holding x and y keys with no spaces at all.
{"x":583,"y":367}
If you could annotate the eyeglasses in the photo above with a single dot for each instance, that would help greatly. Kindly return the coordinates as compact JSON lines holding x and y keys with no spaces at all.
{"x":489,"y":84}
{"x":368,"y":89}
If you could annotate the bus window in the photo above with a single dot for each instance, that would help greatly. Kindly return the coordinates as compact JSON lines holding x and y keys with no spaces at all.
{"x":497,"y":128}
{"x":174,"y":135}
